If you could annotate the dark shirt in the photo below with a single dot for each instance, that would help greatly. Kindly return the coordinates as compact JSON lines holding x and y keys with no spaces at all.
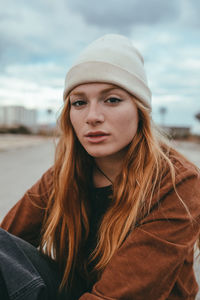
{"x":100,"y":199}
{"x":99,"y":202}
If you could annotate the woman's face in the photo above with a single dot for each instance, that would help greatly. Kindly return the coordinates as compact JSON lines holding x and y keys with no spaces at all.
{"x":104,"y":118}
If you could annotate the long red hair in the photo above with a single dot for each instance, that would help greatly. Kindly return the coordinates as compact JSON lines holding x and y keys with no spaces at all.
{"x":66,"y":225}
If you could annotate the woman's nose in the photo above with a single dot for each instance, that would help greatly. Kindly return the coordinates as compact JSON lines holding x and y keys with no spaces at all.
{"x":94,"y":114}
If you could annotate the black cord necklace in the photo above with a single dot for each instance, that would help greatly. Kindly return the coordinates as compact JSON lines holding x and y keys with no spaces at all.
{"x":103,"y":174}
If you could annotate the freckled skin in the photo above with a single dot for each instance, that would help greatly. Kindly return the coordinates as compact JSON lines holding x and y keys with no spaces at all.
{"x":106,"y":108}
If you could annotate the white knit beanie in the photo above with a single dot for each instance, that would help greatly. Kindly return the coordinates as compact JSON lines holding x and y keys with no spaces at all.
{"x":111,"y":59}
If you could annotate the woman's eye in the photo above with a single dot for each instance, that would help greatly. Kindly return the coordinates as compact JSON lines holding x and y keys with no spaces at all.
{"x":113,"y":100}
{"x":78,"y":103}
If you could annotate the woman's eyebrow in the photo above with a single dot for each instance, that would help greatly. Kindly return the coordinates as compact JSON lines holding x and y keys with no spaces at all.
{"x":109,"y":90}
{"x":76,"y":94}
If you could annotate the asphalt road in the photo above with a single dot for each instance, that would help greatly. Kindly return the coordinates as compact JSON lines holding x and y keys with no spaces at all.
{"x":20,"y":168}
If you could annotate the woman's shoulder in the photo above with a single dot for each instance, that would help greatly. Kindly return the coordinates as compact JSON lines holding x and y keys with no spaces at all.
{"x":43,"y":186}
{"x":182,"y":181}
{"x":176,"y":190}
{"x":183,"y":168}
{"x":173,"y":167}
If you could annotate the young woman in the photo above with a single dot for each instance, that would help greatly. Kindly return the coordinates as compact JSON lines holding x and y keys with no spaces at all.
{"x":118,"y":214}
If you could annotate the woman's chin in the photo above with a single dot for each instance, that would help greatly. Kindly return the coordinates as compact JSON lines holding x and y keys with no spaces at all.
{"x":107,"y":154}
{"x":98,"y":154}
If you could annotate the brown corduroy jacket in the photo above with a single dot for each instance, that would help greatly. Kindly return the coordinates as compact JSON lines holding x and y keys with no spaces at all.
{"x":156,"y":260}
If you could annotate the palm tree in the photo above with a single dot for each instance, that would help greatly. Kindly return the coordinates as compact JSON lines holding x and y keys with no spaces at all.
{"x":197,"y":116}
{"x":49,"y":113}
{"x":162,"y":111}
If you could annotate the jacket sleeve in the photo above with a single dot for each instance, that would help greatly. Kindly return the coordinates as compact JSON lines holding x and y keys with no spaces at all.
{"x":149,"y":262}
{"x":25,"y":218}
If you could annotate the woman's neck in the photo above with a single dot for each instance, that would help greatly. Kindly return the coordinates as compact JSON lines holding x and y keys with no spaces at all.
{"x":105,"y":171}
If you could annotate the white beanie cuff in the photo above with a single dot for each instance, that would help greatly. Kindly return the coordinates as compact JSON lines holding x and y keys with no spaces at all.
{"x":104,"y":72}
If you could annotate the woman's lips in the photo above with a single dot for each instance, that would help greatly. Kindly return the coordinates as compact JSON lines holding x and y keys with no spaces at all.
{"x":96,"y":137}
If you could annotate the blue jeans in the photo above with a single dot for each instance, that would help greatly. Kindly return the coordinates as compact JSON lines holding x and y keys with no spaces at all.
{"x":25,"y":274}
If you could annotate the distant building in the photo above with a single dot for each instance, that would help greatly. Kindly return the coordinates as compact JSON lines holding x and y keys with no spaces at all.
{"x":177,"y":131}
{"x":18,"y":116}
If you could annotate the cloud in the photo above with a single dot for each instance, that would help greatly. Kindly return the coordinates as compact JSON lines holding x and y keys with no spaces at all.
{"x":40,"y":73}
{"x":190,"y":13}
{"x":39,"y":31}
{"x":172,"y":60}
{"x":40,"y":39}
{"x":29,"y":94}
{"x":122,"y":15}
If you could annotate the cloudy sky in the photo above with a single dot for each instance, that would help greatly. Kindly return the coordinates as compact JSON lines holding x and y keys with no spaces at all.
{"x":40,"y":39}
